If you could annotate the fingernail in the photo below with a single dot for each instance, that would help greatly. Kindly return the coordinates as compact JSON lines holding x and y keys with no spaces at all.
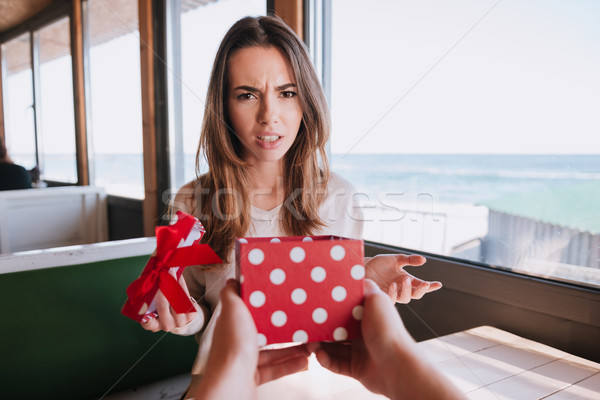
{"x":233,"y":284}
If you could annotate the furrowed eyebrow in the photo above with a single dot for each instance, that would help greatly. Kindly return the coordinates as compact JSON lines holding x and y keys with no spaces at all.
{"x":255,"y":90}
{"x":247,"y":88}
{"x":286,"y":86}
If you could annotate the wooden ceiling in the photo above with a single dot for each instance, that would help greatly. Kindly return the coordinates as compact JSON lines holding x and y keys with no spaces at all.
{"x":111,"y":19}
{"x":14,"y":12}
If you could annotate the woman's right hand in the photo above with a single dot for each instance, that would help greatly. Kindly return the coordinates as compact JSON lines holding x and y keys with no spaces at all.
{"x":168,"y":320}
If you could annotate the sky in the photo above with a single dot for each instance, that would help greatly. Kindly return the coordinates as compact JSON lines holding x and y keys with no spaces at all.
{"x":511,"y":76}
{"x":431,"y":76}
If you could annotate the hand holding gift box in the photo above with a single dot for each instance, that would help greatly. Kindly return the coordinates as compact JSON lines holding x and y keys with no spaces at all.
{"x":177,"y":247}
{"x":302,"y":289}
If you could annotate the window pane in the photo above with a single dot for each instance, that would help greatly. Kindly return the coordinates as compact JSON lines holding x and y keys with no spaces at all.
{"x":57,"y":127}
{"x":202,"y":28}
{"x":18,"y":101}
{"x":473,"y":129}
{"x":116,"y":110}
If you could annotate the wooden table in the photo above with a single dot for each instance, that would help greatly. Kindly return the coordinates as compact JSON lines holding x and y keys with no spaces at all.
{"x":488,"y":363}
{"x":484,"y":362}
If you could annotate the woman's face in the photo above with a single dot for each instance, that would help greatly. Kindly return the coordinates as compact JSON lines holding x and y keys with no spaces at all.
{"x":263,"y":104}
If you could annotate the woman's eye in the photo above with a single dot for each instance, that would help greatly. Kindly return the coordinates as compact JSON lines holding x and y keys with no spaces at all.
{"x":288,"y":94}
{"x":245,"y":96}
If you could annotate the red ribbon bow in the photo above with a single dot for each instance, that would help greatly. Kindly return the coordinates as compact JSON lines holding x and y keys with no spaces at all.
{"x":156,"y":274}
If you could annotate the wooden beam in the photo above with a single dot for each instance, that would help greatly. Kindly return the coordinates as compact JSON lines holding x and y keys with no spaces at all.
{"x":79,"y":97}
{"x":150,"y":205}
{"x":2,"y":128}
{"x":291,"y":11}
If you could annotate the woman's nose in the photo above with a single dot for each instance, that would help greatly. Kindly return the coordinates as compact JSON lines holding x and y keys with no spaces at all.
{"x":268,"y":112}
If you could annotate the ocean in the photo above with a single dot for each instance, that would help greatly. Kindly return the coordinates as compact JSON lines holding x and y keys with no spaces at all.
{"x":465,"y":179}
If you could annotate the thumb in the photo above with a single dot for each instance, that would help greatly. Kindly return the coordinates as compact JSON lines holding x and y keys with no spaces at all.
{"x":381,"y":324}
{"x":229,"y":293}
{"x":370,"y":288}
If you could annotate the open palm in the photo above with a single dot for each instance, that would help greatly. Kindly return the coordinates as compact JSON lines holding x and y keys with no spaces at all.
{"x":387,"y":271}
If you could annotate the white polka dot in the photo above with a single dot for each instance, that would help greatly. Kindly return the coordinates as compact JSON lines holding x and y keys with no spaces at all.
{"x":278,"y":318}
{"x":337,"y":252}
{"x":256,"y":256}
{"x":277,"y":276}
{"x":300,"y":336}
{"x":340,"y":334}
{"x":275,"y":240}
{"x":175,"y":219}
{"x":262,"y":339}
{"x":297,"y":254}
{"x":242,"y":240}
{"x":298,"y":296}
{"x":319,"y":315}
{"x":257,"y":299}
{"x":357,"y":312}
{"x":307,"y":239}
{"x":318,"y":274}
{"x":242,"y":279}
{"x":338,"y":293}
{"x":143,"y":309}
{"x":357,"y":272}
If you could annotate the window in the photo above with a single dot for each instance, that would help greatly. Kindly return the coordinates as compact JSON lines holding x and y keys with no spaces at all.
{"x":56,"y":130}
{"x":39,"y":102}
{"x":18,"y":101}
{"x":196,"y":32}
{"x":471,"y":129}
{"x":115,"y":93}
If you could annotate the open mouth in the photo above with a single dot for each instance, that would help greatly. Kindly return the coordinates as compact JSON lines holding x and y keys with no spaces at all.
{"x":270,"y":138}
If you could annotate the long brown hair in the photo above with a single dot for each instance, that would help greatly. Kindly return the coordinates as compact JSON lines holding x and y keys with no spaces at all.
{"x":221,"y":195}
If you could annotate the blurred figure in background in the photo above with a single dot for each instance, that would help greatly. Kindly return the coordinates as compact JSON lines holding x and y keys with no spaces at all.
{"x":12,"y":176}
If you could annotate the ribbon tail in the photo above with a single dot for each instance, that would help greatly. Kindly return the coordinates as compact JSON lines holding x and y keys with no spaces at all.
{"x":144,"y":283}
{"x":175,"y":294}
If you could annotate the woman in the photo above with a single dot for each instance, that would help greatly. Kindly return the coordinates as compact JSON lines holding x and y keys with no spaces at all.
{"x":12,"y":176}
{"x":266,"y":124}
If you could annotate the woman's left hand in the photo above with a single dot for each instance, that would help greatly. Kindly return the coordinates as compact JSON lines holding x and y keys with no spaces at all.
{"x":387,"y":270}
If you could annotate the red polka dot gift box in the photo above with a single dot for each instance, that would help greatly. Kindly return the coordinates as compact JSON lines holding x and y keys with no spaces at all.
{"x":302,"y":289}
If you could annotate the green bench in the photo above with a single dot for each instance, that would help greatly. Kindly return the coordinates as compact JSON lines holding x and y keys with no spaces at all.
{"x":62,"y":335}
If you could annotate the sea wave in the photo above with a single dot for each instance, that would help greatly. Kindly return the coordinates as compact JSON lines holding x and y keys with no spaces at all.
{"x":508,"y":174}
{"x":476,"y":173}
